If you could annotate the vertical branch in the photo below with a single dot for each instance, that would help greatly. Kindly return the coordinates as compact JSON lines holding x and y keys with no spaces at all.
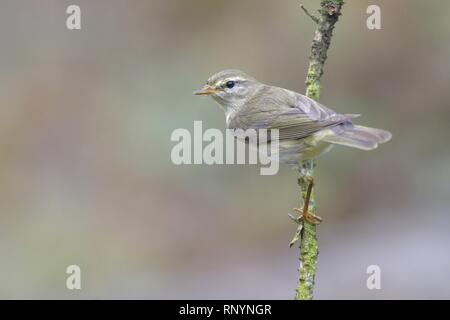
{"x":329,"y":13}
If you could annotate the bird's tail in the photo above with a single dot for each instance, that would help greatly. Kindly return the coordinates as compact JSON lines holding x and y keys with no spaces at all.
{"x":359,"y":137}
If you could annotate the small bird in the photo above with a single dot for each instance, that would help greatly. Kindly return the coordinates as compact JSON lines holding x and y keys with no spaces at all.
{"x":307,"y":129}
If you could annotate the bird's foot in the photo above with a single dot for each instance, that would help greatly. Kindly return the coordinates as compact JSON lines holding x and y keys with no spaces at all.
{"x":308,"y":216}
{"x":304,"y":214}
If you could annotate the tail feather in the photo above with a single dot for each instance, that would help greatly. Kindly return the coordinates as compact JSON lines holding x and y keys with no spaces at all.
{"x":382,"y":135}
{"x":359,"y":137}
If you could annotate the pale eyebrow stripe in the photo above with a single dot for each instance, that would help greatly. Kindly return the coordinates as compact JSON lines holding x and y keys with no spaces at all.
{"x":232,"y":79}
{"x":236,"y":79}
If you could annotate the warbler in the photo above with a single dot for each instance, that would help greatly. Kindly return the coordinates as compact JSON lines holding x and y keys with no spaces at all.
{"x":307,"y":129}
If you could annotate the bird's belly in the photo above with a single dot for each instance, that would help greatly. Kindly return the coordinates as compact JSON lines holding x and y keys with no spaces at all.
{"x":294,"y":151}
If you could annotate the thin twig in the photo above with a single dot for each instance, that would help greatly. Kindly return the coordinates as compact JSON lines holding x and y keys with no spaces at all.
{"x":313,"y":17}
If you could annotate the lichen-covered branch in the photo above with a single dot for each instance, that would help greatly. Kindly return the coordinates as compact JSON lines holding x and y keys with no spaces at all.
{"x":330,"y":10}
{"x":329,"y":13}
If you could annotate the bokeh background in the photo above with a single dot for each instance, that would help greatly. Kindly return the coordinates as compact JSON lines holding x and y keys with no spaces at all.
{"x":86,"y":176}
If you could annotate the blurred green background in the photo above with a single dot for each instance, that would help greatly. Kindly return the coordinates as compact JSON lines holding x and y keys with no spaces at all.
{"x":85,"y":170}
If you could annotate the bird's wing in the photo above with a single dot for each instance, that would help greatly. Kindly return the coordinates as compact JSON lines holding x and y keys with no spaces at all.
{"x":294,"y":115}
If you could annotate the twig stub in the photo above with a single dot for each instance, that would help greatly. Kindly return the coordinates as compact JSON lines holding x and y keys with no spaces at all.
{"x":313,"y":17}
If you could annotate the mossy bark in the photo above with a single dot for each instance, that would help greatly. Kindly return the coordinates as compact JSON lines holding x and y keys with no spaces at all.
{"x":329,"y":13}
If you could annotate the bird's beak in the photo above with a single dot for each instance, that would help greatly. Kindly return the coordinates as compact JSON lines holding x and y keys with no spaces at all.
{"x":206,"y":91}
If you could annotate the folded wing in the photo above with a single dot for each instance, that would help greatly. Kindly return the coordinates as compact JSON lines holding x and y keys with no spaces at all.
{"x":294,"y":115}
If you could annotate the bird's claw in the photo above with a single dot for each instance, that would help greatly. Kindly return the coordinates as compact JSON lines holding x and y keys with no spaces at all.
{"x":308,"y":216}
{"x":304,"y":214}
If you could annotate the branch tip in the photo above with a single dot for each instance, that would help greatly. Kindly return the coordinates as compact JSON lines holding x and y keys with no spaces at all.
{"x":313,"y":17}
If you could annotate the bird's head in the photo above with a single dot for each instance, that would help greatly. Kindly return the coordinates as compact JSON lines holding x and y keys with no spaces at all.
{"x":230,"y":87}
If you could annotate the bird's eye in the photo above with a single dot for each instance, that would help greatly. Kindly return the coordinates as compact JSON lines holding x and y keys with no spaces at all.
{"x":230,"y":84}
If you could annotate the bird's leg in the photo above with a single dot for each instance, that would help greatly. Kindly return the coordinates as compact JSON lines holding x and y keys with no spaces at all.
{"x":304,"y":213}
